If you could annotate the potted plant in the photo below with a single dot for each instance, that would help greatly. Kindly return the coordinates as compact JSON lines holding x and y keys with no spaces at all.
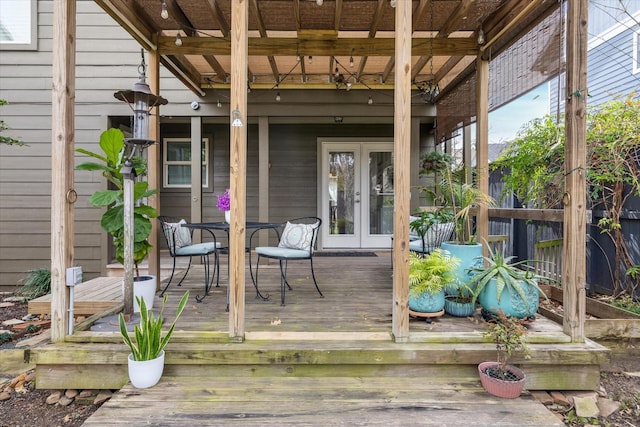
{"x":428,"y":277}
{"x":458,"y":300}
{"x":501,"y":286}
{"x":461,"y":199}
{"x":430,"y":229}
{"x":499,"y":378}
{"x":224,"y":204}
{"x":146,"y":361}
{"x":112,"y":221}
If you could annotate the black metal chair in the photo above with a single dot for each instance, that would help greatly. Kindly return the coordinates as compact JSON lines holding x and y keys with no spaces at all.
{"x":178,"y":237}
{"x":296,"y":243}
{"x":431,"y":238}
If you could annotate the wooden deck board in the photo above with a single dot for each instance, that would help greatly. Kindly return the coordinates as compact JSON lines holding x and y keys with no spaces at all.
{"x":91,"y":297}
{"x":334,"y":401}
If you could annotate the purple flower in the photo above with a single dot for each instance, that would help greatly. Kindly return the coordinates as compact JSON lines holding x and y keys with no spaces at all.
{"x":224,"y":201}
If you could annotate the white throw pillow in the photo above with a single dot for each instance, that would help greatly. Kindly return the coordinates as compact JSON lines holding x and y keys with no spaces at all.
{"x":182,"y":235}
{"x":297,"y":236}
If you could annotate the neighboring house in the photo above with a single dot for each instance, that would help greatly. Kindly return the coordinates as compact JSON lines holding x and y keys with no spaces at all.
{"x":305,"y":136}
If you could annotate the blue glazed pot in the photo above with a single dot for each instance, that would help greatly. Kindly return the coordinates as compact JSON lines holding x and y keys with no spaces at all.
{"x":458,"y":309}
{"x":510,"y":302}
{"x":469,"y":255}
{"x":427,"y":303}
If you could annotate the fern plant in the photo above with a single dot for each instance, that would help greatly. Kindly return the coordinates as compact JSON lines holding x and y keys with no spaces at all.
{"x":149,"y":342}
{"x":431,"y":273}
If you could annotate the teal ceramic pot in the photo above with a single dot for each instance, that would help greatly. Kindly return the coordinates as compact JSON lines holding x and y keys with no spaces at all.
{"x":510,"y":302}
{"x":469,"y":255}
{"x":458,"y":309}
{"x":427,"y":303}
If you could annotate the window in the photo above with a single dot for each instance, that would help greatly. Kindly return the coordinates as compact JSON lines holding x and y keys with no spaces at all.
{"x":177,"y":162}
{"x":636,"y":52}
{"x":19,"y":25}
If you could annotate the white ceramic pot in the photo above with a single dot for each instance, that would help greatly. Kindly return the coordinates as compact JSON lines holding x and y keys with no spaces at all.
{"x":145,"y":373}
{"x":145,"y":287}
{"x":227,"y":217}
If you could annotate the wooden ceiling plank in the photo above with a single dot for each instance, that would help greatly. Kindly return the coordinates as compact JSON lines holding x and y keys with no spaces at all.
{"x":419,"y":13}
{"x":454,"y":21}
{"x":176,"y":13}
{"x":131,"y":22}
{"x":338,"y":15}
{"x":341,"y":47}
{"x":296,"y":12}
{"x":377,"y":17}
{"x":223,"y":25}
{"x":418,"y":66}
{"x":448,"y":66}
{"x":220,"y":72}
{"x":255,"y":10}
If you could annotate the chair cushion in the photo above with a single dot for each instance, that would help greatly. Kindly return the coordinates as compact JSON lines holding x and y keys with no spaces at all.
{"x":297,"y":236}
{"x":182,"y":235}
{"x":282,"y":253}
{"x":198,"y":249}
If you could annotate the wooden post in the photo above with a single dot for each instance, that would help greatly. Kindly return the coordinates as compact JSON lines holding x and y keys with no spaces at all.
{"x":263,"y":174}
{"x":153,"y":165}
{"x":63,"y":195}
{"x":238,"y":164}
{"x":482,"y":147}
{"x":402,"y":167}
{"x":575,"y":209}
{"x":196,"y":175}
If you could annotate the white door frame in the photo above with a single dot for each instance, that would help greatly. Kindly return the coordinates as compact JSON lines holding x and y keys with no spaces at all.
{"x":361,"y":147}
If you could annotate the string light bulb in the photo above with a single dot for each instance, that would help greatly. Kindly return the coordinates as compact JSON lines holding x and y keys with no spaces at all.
{"x":178,"y":40}
{"x":310,"y":59}
{"x":351,"y":62}
{"x":165,"y":13}
{"x":370,"y":100}
{"x":219,"y":104}
{"x":278,"y":97}
{"x":393,"y":3}
{"x":319,"y":2}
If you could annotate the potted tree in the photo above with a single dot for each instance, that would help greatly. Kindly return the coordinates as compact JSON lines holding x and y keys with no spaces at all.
{"x":146,"y":361}
{"x":499,"y":378}
{"x":501,"y":286}
{"x":112,"y":221}
{"x":428,"y":277}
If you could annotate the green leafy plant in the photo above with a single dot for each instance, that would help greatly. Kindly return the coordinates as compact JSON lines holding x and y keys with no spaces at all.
{"x":536,"y":174}
{"x":426,"y":219}
{"x":435,"y":162}
{"x":149,"y":341}
{"x":627,"y":303}
{"x":7,"y":139}
{"x":430,"y":274}
{"x":509,"y":335}
{"x":112,"y":221}
{"x":507,"y":275}
{"x":36,"y":283}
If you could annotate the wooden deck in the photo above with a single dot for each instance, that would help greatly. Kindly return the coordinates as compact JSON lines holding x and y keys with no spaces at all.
{"x":346,"y":334}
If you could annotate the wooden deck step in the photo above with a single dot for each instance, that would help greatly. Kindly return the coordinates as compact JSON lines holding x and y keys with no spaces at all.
{"x":90,"y":297}
{"x":328,"y":401}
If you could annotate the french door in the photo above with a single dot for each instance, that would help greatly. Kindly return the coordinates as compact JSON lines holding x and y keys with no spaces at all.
{"x":357,"y":194}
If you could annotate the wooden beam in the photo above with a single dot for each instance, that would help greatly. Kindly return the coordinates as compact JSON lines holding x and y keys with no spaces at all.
{"x":338,"y":16}
{"x":238,"y":165}
{"x":282,"y":46}
{"x":454,"y":21}
{"x":191,"y":82}
{"x":131,"y":23}
{"x":377,"y":17}
{"x":154,"y":166}
{"x":263,"y":33}
{"x":402,"y":168}
{"x":482,"y":147}
{"x":511,"y":23}
{"x":223,"y":25}
{"x":63,"y":195}
{"x":575,"y":209}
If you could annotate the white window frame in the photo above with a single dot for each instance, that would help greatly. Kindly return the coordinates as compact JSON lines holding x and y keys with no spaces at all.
{"x":26,"y":15}
{"x":636,"y":56}
{"x":166,"y":163}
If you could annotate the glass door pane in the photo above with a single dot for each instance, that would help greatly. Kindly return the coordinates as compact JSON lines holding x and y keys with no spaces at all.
{"x":380,"y":192}
{"x":342,"y":193}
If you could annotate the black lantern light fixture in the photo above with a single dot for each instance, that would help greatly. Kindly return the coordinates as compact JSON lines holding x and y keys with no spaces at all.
{"x":140,"y":99}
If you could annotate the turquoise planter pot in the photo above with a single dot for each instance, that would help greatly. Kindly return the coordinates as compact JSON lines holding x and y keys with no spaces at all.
{"x":427,"y":303}
{"x":510,"y":302}
{"x":469,"y":255}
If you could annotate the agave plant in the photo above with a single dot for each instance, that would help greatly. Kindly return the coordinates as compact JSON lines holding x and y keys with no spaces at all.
{"x":507,"y":274}
{"x":149,"y":342}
